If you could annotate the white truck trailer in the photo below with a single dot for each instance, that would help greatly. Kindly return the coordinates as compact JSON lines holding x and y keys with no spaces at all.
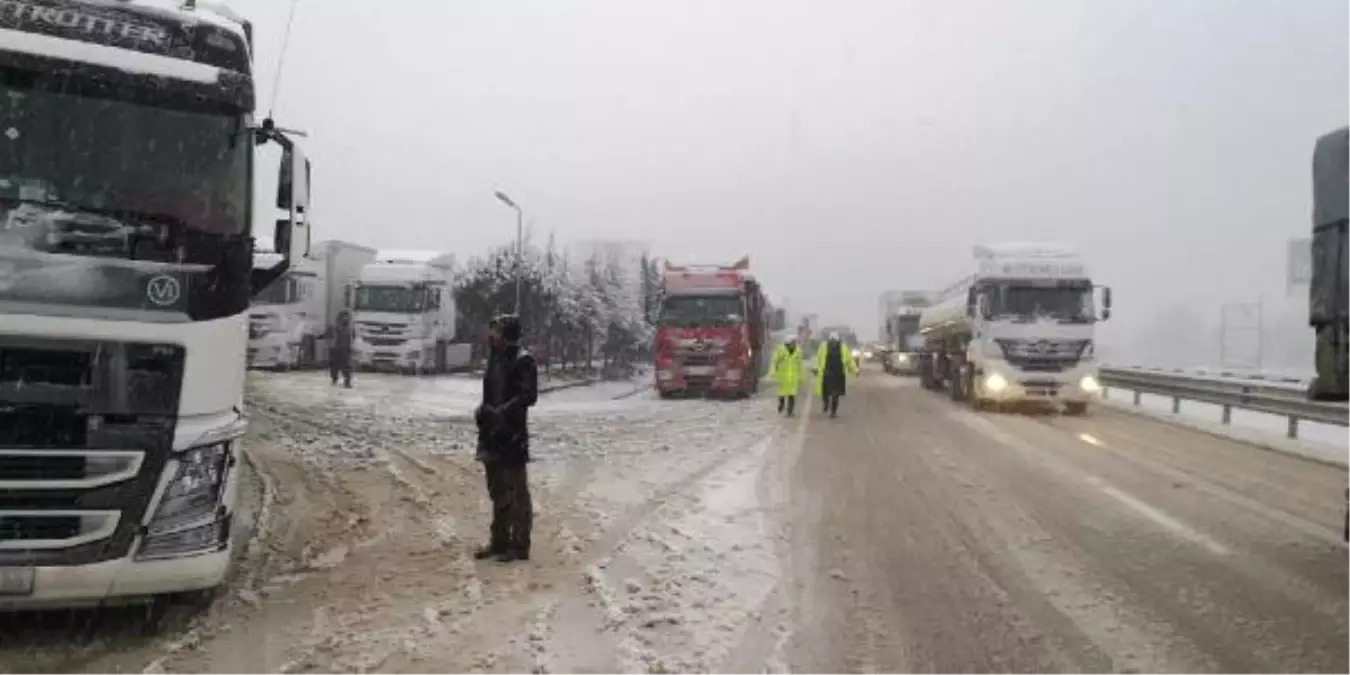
{"x":126,"y":269}
{"x":288,"y":319}
{"x":1018,"y":329}
{"x":404,"y":310}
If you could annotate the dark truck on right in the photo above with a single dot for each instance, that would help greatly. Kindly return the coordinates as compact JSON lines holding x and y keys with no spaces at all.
{"x":1327,"y":303}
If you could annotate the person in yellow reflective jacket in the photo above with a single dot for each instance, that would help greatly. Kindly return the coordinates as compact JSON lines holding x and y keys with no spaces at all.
{"x":834,"y":365}
{"x":786,"y":369}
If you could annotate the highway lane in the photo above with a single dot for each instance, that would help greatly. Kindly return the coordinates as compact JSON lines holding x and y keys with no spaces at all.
{"x":927,"y":537}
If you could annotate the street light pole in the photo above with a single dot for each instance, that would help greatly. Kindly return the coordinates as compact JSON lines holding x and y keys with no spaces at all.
{"x":520,"y":243}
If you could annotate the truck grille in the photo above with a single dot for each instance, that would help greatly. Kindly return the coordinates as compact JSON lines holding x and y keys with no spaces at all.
{"x":31,"y":528}
{"x":86,"y":427}
{"x":1043,"y":356}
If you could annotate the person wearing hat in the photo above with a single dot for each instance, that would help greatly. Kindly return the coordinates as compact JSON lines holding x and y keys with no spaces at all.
{"x":510,"y":388}
{"x":786,"y":369}
{"x":834,"y":365}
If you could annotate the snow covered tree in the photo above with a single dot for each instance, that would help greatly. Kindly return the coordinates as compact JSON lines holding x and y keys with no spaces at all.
{"x":568,"y":310}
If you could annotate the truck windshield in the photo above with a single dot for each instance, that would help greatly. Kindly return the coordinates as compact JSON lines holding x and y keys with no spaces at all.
{"x":701,"y":310}
{"x":1063,"y":302}
{"x":280,"y":292}
{"x":390,"y":299}
{"x":105,"y":195}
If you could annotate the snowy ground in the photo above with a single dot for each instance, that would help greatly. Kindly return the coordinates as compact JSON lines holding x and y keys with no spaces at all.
{"x":651,"y":549}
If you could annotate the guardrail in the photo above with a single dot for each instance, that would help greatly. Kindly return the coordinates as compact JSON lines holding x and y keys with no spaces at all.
{"x":1284,"y":399}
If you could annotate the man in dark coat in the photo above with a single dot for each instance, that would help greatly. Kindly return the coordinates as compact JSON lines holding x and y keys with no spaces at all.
{"x":834,"y":365}
{"x":510,"y":388}
{"x":340,"y":354}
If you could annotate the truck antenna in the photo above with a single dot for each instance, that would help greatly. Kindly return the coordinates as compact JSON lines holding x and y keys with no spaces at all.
{"x":281,"y":61}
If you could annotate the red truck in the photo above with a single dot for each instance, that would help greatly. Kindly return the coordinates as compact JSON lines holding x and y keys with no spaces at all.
{"x":712,"y":333}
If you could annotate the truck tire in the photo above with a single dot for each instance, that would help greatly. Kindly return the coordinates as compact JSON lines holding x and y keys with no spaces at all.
{"x":1075,"y":408}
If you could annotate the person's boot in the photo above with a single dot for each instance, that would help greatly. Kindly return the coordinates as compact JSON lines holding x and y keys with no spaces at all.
{"x":780,"y":405}
{"x":489,"y":551}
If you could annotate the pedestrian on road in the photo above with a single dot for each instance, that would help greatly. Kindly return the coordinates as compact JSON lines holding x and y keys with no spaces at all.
{"x":786,"y":369}
{"x":834,"y":365}
{"x":510,"y":388}
{"x":340,"y":355}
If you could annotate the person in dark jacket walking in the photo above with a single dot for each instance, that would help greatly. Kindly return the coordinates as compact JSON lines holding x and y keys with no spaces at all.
{"x":340,"y":355}
{"x":834,"y":365}
{"x":510,"y":388}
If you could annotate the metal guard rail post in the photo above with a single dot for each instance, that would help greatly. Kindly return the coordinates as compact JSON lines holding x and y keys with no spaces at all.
{"x":1288,"y":401}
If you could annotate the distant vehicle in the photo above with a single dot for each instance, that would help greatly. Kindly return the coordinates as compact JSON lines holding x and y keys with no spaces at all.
{"x":288,"y":319}
{"x":712,"y":331}
{"x":404,"y":311}
{"x":1328,"y":307}
{"x":904,"y":345}
{"x":1019,"y":328}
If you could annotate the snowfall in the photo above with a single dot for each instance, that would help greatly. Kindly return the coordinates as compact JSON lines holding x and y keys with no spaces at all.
{"x":653,"y":549}
{"x":654,"y":545}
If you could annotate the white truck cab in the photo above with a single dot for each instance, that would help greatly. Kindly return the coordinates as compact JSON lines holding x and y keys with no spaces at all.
{"x":1020,"y":328}
{"x":404,"y":312}
{"x":287,"y":318}
{"x":126,"y":270}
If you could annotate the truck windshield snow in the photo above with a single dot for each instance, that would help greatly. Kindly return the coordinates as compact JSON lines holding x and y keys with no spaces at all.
{"x":390,"y":299}
{"x":1064,"y":303}
{"x":108,"y":197}
{"x":710,"y":310}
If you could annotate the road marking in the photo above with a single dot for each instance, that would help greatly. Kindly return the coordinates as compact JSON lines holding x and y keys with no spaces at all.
{"x":991,"y":431}
{"x":1091,"y":440}
{"x":1176,"y":526}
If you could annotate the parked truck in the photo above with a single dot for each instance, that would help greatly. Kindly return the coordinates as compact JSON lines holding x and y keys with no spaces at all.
{"x":404,"y":309}
{"x":288,"y":319}
{"x":1018,"y":328}
{"x":712,"y":332}
{"x":126,"y":270}
{"x":1327,"y":302}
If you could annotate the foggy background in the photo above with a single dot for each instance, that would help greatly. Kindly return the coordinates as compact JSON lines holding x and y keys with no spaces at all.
{"x":848,"y":147}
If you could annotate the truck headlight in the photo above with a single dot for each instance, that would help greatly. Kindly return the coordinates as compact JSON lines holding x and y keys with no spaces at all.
{"x":1090,"y":384}
{"x":195,"y":489}
{"x":995,"y":382}
{"x":856,"y":353}
{"x":902,"y":358}
{"x":193,"y":496}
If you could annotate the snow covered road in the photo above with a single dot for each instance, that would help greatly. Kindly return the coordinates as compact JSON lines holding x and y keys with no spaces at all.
{"x":650,"y":548}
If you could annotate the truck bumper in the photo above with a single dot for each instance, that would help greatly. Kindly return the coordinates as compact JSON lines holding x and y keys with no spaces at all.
{"x":997,"y":382}
{"x":720,"y":381}
{"x":268,"y":352}
{"x":408,"y":355}
{"x":116,"y":582}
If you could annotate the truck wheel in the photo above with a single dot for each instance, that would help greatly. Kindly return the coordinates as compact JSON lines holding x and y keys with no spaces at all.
{"x":955,"y":384}
{"x":1075,"y":409}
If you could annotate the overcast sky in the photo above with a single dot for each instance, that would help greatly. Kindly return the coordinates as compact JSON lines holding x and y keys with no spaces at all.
{"x":848,"y":147}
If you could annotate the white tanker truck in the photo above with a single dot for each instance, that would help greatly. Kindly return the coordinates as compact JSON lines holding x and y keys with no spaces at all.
{"x":1018,"y":329}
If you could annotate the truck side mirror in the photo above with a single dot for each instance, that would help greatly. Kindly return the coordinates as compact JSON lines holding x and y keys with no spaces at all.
{"x":970,"y":302}
{"x":1106,"y":303}
{"x":293,"y":179}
